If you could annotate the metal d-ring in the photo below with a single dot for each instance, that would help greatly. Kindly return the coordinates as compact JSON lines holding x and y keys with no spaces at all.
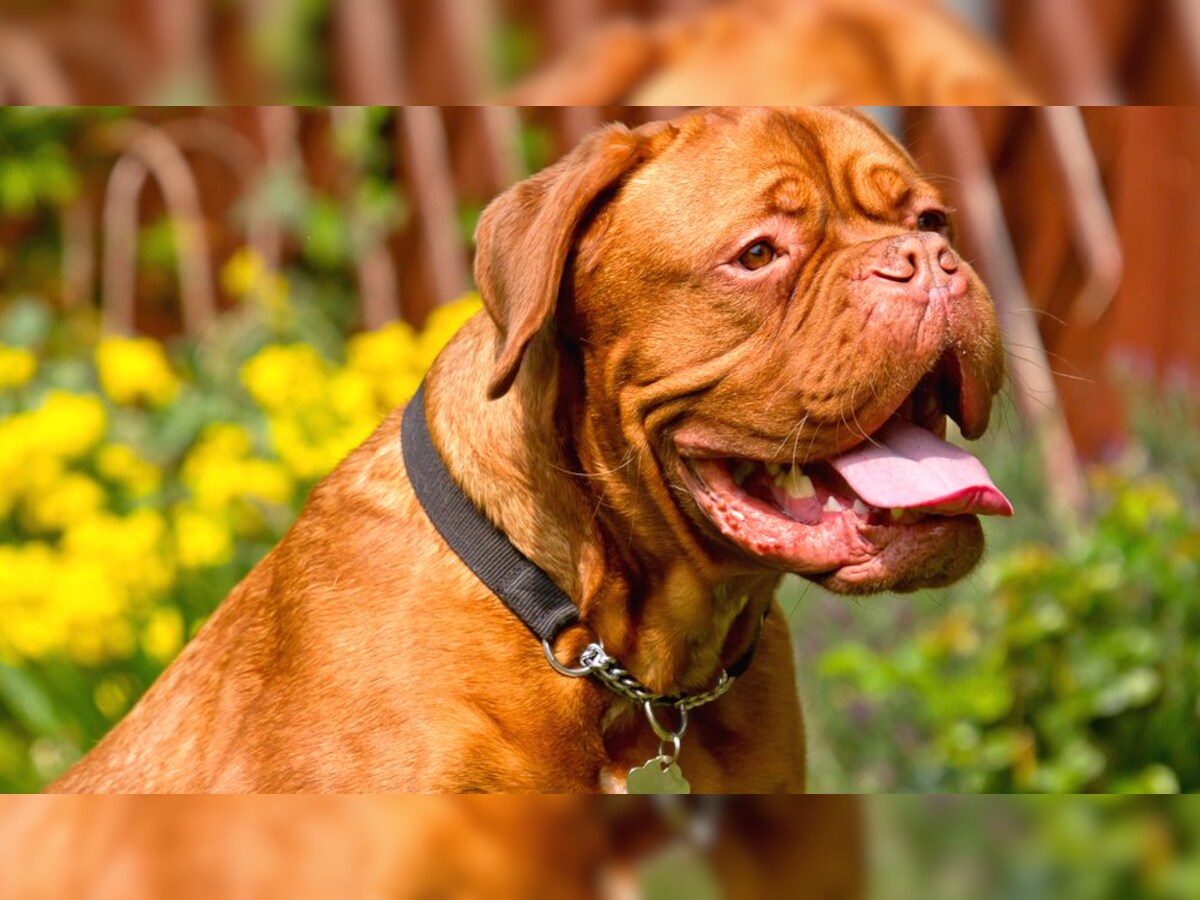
{"x":559,"y":667}
{"x":665,"y":734}
{"x":666,"y":759}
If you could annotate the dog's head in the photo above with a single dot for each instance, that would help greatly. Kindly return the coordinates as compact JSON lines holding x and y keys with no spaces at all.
{"x":765,"y":314}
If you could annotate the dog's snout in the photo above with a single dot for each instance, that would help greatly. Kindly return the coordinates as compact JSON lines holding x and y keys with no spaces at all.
{"x":923,"y":261}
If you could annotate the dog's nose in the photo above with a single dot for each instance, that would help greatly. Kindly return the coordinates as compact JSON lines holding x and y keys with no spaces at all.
{"x":923,"y":261}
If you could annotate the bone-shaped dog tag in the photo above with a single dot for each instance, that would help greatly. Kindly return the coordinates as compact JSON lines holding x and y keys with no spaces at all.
{"x":660,"y":775}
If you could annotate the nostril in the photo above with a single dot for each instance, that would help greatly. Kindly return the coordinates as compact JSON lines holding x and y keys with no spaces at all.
{"x":900,"y":267}
{"x":924,"y":258}
{"x":892,"y":275}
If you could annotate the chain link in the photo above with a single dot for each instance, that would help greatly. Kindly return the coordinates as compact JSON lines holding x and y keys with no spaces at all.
{"x":621,"y":682}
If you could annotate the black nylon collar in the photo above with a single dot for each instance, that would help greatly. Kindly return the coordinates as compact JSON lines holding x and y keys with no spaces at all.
{"x":523,"y":587}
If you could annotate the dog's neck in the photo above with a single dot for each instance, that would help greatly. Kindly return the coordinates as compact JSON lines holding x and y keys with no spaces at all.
{"x":671,"y":625}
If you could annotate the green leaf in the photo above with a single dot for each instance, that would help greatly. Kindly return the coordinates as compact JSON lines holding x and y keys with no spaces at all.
{"x":27,"y":702}
{"x":26,"y":323}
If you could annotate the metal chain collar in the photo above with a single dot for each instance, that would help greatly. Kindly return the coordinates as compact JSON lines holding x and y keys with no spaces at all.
{"x":662,"y":772}
{"x":594,"y":661}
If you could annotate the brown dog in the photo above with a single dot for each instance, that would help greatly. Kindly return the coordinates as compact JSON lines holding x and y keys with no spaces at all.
{"x":407,"y":847}
{"x":706,"y":347}
{"x":883,"y":52}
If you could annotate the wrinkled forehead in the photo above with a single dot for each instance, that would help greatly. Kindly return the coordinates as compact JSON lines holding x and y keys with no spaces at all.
{"x":741,"y":164}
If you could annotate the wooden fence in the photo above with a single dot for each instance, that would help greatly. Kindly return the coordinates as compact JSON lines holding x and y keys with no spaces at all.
{"x":462,"y":51}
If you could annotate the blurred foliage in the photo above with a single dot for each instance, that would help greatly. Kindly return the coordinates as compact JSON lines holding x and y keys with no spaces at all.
{"x":139,"y":480}
{"x":37,"y":178}
{"x":138,"y":483}
{"x":290,"y":45}
{"x":45,"y":154}
{"x":1035,"y":848}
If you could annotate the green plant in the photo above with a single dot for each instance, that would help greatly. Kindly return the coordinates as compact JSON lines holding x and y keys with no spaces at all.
{"x":1072,"y":669}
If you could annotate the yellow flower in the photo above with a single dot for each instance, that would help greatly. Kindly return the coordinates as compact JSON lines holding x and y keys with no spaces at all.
{"x":112,"y":695}
{"x":242,"y":272}
{"x":219,"y":471}
{"x":201,"y":539}
{"x":352,"y":396}
{"x":65,"y":426}
{"x":247,"y":277}
{"x":225,"y":440}
{"x":135,"y":370}
{"x":443,"y":323}
{"x":26,"y":574}
{"x":380,"y":353}
{"x":263,"y":479}
{"x":388,"y":358}
{"x":56,"y":603}
{"x":20,"y":465}
{"x":69,"y":498}
{"x":17,"y":367}
{"x":131,"y":548}
{"x":163,"y":635}
{"x":121,"y":464}
{"x":292,"y":445}
{"x":399,"y":390}
{"x":103,"y":632}
{"x":310,"y":446}
{"x":282,"y":377}
{"x":395,"y":357}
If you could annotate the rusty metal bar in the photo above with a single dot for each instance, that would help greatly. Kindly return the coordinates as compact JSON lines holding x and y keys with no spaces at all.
{"x":1032,"y":381}
{"x":432,"y":183}
{"x":1069,"y":39}
{"x":149,"y":152}
{"x":1095,"y":232}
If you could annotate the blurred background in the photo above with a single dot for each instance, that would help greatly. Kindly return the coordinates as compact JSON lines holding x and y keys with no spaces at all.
{"x":600,"y":52}
{"x":202,"y":310}
{"x":1033,"y":848}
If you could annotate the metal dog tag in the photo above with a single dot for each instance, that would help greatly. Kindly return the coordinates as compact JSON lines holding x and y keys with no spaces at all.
{"x":680,"y":871}
{"x":660,"y":775}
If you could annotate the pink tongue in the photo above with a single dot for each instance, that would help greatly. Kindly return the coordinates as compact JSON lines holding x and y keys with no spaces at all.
{"x":906,"y":467}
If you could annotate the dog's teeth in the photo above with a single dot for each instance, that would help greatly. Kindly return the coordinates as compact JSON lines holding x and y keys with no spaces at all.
{"x":773,"y":468}
{"x":896,"y":514}
{"x":798,"y":485}
{"x":741,"y":471}
{"x":860,"y":507}
{"x":928,"y":409}
{"x":833,"y":505}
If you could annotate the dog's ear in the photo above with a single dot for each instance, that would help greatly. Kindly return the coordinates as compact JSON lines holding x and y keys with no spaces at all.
{"x":525,"y":235}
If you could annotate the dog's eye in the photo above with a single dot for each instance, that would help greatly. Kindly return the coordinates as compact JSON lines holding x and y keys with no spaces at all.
{"x":757,"y":255}
{"x":931,"y":220}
